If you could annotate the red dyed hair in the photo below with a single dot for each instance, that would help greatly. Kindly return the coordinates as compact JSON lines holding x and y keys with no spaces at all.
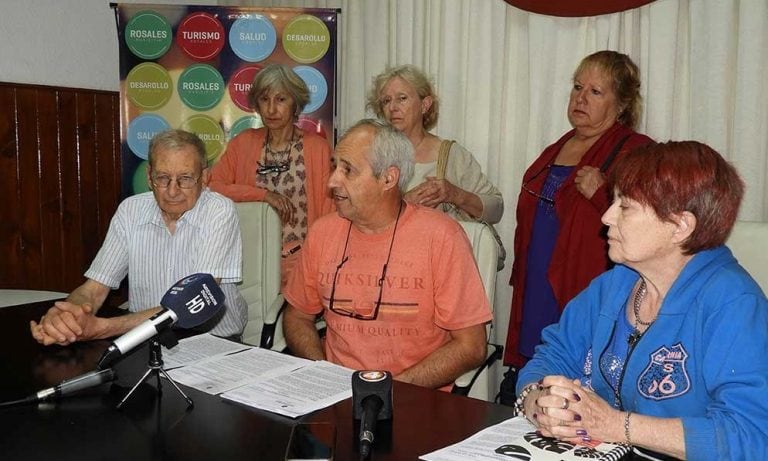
{"x":673,"y":177}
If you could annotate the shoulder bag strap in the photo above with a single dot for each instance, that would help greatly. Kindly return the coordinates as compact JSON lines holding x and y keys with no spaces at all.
{"x":442,"y":157}
{"x":613,"y":153}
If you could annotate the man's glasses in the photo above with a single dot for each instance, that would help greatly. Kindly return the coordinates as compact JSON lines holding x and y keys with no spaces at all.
{"x":274,"y":168}
{"x":548,"y":200}
{"x":162,"y":181}
{"x":352,"y":313}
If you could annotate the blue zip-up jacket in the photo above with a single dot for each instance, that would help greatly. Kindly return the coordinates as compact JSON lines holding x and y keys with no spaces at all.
{"x":704,"y":359}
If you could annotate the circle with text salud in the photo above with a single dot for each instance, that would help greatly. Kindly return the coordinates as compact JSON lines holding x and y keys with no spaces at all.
{"x":242,"y":124}
{"x":141,"y":130}
{"x":240,"y":84}
{"x":318,"y":87}
{"x":209,"y":131}
{"x":253,"y":38}
{"x":148,"y":86}
{"x":306,"y":39}
{"x":200,"y":86}
{"x":148,"y":35}
{"x":200,"y":36}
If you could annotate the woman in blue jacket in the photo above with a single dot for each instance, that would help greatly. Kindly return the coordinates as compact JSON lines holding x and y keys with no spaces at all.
{"x":667,"y":351}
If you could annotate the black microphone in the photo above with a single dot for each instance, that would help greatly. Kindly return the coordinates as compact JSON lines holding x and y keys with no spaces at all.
{"x":69,"y":386}
{"x":66,"y":387}
{"x":372,"y":401}
{"x":190,"y":302}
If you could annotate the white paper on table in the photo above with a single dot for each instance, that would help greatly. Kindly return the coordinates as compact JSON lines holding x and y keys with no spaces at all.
{"x":516,"y":438}
{"x":226,"y":372}
{"x":312,"y":387}
{"x":198,"y":348}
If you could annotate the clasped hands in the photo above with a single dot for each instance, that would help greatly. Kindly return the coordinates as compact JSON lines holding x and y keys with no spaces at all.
{"x":66,"y":323}
{"x":432,"y":193}
{"x":564,"y":409}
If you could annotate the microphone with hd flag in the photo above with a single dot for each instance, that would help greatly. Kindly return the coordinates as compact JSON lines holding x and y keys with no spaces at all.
{"x":372,"y":402}
{"x":190,"y":302}
{"x":68,"y":386}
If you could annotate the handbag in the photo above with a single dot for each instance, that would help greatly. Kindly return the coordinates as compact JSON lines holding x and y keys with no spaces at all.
{"x":442,"y":163}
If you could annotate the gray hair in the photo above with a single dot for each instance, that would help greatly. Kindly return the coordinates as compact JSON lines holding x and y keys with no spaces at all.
{"x":175,"y":140}
{"x":390,"y":147}
{"x":279,"y":77}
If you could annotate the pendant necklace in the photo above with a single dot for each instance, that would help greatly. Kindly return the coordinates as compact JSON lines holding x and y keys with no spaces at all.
{"x":279,"y":157}
{"x":642,"y":290}
{"x":276,"y":162}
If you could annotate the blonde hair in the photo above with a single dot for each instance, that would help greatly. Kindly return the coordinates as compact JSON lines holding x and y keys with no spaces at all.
{"x":626,"y":82}
{"x":417,"y":79}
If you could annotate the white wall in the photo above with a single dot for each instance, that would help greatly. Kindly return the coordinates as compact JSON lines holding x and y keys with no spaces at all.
{"x":70,"y":43}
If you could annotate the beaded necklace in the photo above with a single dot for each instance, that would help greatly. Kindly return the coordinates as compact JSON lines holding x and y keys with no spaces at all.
{"x":276,"y":161}
{"x":642,"y":290}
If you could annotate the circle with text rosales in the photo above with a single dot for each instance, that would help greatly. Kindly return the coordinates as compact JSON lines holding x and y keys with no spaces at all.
{"x":148,"y":35}
{"x":200,"y":87}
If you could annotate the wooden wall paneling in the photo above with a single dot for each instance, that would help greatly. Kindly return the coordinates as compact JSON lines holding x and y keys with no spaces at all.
{"x":72,"y":232}
{"x":88,"y":158}
{"x":107,"y":108}
{"x":50,"y":190}
{"x":10,"y":235}
{"x":60,"y":178}
{"x":29,"y":186}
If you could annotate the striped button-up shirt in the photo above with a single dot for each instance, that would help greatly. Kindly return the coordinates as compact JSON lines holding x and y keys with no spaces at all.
{"x":139,"y":245}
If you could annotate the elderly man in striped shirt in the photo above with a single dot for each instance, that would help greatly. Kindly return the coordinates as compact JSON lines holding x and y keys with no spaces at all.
{"x":157,"y":238}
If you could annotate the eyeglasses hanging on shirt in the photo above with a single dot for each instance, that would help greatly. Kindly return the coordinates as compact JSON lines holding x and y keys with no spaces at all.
{"x":280,"y":159}
{"x":547,"y":200}
{"x":273,"y":168}
{"x":356,"y":314}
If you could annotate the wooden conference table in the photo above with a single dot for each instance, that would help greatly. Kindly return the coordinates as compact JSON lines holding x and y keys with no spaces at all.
{"x":149,"y":426}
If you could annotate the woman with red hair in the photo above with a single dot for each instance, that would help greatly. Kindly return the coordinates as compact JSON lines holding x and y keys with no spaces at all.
{"x":666,"y":351}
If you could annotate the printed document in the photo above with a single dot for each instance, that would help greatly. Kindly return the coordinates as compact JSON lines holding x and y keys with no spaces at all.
{"x":309,"y":388}
{"x":260,"y":378}
{"x":198,"y":348}
{"x":516,"y":438}
{"x":225,"y":372}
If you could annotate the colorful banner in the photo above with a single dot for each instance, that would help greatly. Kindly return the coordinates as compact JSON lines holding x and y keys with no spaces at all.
{"x":191,"y":67}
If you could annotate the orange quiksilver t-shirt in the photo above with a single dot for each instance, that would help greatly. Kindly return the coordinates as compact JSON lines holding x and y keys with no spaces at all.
{"x":432,"y":286}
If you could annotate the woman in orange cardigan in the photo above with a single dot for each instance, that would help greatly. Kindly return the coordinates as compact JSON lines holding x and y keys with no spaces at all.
{"x":279,"y":163}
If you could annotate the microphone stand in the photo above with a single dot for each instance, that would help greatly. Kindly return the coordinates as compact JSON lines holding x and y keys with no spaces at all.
{"x":155,"y":367}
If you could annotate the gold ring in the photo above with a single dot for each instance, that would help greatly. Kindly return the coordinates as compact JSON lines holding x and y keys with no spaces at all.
{"x":565,"y":404}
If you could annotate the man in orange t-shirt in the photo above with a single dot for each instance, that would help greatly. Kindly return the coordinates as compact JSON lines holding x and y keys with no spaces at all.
{"x":397,"y":284}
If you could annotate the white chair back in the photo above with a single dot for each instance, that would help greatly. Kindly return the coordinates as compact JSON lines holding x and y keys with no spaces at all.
{"x":486,"y":253}
{"x":262,"y":243}
{"x":477,"y":383}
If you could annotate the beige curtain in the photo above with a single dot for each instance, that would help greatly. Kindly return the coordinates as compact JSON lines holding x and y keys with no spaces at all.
{"x":503,"y":75}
